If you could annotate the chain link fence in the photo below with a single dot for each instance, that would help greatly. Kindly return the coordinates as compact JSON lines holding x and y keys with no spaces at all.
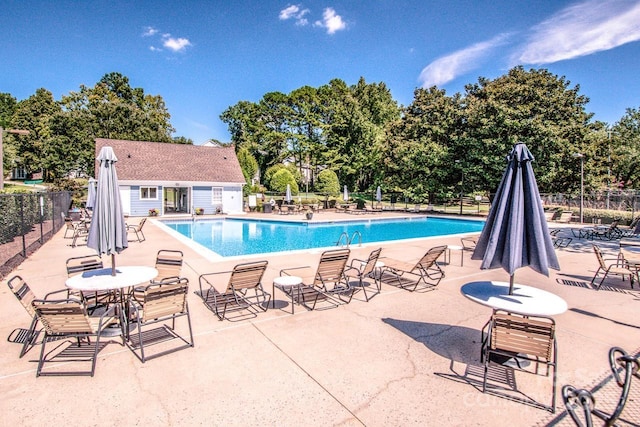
{"x":27,"y":221}
{"x":617,"y":200}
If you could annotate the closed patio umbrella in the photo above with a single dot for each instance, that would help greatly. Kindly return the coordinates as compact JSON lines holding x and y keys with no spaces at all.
{"x":108,"y":231}
{"x":287,"y":195}
{"x":378,"y":194}
{"x":91,"y":193}
{"x":515,"y":234}
{"x":345,"y":194}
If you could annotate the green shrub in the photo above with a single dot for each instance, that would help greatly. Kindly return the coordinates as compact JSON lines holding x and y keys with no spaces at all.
{"x":327,"y":183}
{"x":280,"y":179}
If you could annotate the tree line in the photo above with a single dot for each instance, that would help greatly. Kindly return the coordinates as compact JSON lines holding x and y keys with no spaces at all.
{"x":429,"y":150}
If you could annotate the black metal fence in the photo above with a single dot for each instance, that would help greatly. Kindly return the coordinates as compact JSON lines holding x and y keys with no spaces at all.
{"x":27,"y":221}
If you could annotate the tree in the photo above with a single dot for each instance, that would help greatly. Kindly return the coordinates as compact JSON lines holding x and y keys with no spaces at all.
{"x":328,"y":183}
{"x":34,"y":114}
{"x":625,"y":154}
{"x":534,"y":107}
{"x":280,"y":180}
{"x":417,"y":157}
{"x":248,"y":164}
{"x":8,"y":105}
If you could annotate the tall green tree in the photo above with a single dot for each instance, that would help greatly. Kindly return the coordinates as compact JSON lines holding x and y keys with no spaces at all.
{"x":34,"y":114}
{"x":417,"y":157}
{"x":535,"y":107}
{"x":625,"y":146}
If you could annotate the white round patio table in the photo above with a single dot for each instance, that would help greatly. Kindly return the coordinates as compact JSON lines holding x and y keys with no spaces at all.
{"x":102,"y":280}
{"x":527,"y":300}
{"x":285,"y":282}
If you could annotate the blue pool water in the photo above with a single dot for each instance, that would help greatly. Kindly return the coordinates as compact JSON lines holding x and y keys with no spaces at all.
{"x":232,"y":237}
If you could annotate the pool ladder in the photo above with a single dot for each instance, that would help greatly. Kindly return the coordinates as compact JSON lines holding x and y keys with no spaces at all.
{"x":349,"y":240}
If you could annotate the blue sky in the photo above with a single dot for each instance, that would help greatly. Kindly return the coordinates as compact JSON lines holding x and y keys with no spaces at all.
{"x":204,"y":56}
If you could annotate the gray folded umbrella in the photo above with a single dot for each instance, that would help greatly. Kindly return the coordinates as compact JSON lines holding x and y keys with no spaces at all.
{"x":108,"y":231}
{"x":515,"y":234}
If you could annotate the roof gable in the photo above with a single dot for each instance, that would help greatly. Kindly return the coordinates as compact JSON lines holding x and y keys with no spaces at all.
{"x":159,"y":161}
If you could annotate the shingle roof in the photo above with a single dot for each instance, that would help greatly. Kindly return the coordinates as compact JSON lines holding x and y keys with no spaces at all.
{"x":157,"y":161}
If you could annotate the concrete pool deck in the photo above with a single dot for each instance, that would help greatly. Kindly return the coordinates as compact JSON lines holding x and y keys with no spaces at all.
{"x":401,"y":359}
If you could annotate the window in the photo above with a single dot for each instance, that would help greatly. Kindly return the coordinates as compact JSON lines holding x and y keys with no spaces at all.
{"x":148,"y":193}
{"x":216,"y":195}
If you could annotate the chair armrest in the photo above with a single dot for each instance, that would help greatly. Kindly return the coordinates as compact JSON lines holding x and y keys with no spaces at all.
{"x":203,"y":278}
{"x":358,"y":260}
{"x":285,"y":271}
{"x":59,"y":291}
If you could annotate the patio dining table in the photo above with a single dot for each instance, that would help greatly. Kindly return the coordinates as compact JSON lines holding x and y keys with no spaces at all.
{"x":102,"y":280}
{"x":526,"y":300}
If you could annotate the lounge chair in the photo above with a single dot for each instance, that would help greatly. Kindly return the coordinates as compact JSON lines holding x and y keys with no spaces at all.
{"x":409,"y":276}
{"x":565,"y":217}
{"x":161,"y":303}
{"x":327,"y":284}
{"x":629,"y":230}
{"x":361,"y":269}
{"x":616,"y":267}
{"x":137,"y":229}
{"x":25,"y":295}
{"x":68,"y":318}
{"x":610,"y":232}
{"x":559,"y":241}
{"x":244,"y":291}
{"x":511,"y":336}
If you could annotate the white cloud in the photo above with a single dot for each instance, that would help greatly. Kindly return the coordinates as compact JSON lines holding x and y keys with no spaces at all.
{"x":582,"y":29}
{"x":447,"y":68}
{"x":294,"y":12}
{"x":331,"y":21}
{"x":149,"y":31}
{"x":155,"y":49}
{"x":175,"y":44}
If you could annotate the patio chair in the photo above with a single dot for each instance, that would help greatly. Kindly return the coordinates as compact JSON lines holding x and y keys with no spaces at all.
{"x":629,"y":230}
{"x":468,"y":244}
{"x":361,"y":269}
{"x":327,"y":284}
{"x":80,"y":264}
{"x":25,"y":295}
{"x":611,"y":232}
{"x":558,"y":241}
{"x":409,"y":276}
{"x":137,"y":229}
{"x":68,"y":318}
{"x":168,"y":263}
{"x":609,"y":266}
{"x":565,"y":217}
{"x":515,"y":337}
{"x":161,"y":302}
{"x":244,"y":291}
{"x":80,"y":231}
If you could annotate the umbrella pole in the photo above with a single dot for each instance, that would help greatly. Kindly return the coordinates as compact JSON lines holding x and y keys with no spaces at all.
{"x":511,"y":278}
{"x":113,"y":264}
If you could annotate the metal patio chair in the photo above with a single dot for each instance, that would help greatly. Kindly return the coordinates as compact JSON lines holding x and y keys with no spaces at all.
{"x":327,"y":284}
{"x":161,"y":303}
{"x":68,"y":318}
{"x":243,"y":292}
{"x":409,"y":276}
{"x":520,"y":338}
{"x":361,"y":269}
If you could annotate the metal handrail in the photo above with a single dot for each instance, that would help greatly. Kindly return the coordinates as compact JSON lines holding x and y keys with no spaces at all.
{"x":346,"y":237}
{"x":353,"y":236}
{"x":574,"y":398}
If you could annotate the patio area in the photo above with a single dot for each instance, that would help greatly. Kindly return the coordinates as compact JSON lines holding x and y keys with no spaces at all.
{"x":403,"y":358}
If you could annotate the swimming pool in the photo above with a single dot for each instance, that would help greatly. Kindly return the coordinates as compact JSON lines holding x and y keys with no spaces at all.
{"x":234,"y":237}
